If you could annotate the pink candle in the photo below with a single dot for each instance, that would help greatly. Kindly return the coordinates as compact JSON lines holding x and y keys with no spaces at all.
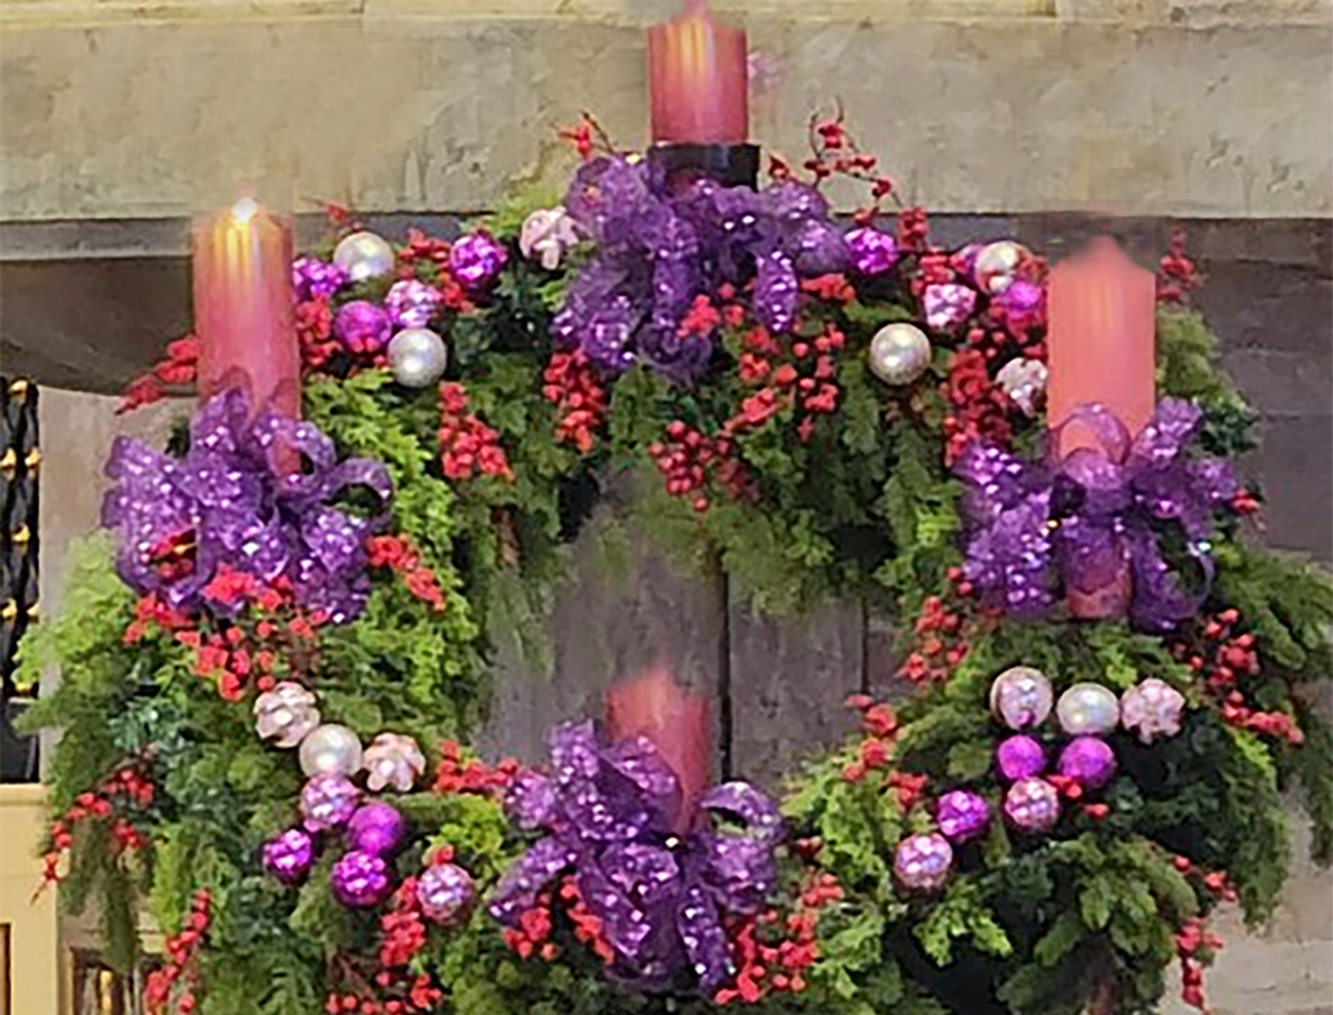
{"x":1102,"y":350}
{"x":678,"y":724}
{"x":244,"y":308}
{"x":698,"y":80}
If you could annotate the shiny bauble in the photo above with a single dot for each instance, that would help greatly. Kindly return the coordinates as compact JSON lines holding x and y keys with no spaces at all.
{"x":417,"y":357}
{"x":328,"y":801}
{"x":364,"y":256}
{"x":899,"y":353}
{"x":1088,"y":761}
{"x":1020,"y":757}
{"x":289,"y":856}
{"x":393,"y":760}
{"x":923,"y":862}
{"x":446,"y":893}
{"x":997,"y":265}
{"x":331,"y":749}
{"x":360,"y":880}
{"x":286,"y":714}
{"x":1024,"y":381}
{"x":1088,"y":710}
{"x":962,"y":814}
{"x":376,"y":828}
{"x":1032,"y":805}
{"x":1021,"y":697}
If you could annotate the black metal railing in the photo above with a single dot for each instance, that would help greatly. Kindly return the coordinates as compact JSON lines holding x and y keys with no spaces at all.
{"x":20,"y":461}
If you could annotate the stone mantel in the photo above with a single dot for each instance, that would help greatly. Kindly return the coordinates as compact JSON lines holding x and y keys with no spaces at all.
{"x":136,"y":109}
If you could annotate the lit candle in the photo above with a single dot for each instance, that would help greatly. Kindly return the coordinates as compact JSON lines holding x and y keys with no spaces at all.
{"x":1101,"y":341}
{"x":678,"y":724}
{"x":244,"y":308}
{"x":698,"y":80}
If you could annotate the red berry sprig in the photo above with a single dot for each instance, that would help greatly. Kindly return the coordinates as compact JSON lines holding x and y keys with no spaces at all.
{"x":689,"y":457}
{"x":1177,"y":276}
{"x":179,"y":976}
{"x":458,"y":774}
{"x":572,"y":386}
{"x":834,"y":152}
{"x":978,"y":407}
{"x":468,"y":447}
{"x":115,"y":799}
{"x":177,"y":371}
{"x":399,"y":555}
{"x":314,"y":332}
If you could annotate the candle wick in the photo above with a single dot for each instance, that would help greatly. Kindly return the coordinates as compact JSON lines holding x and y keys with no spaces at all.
{"x":244,"y":210}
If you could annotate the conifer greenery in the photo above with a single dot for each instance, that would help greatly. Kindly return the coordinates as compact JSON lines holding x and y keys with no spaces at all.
{"x":1092,"y":914}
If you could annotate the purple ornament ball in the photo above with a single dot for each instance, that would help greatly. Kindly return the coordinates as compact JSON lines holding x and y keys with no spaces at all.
{"x":360,"y":879}
{"x":363,"y":327}
{"x":873,"y":252}
{"x":477,"y":259}
{"x":1088,"y":761}
{"x":446,"y":893}
{"x":376,"y":828}
{"x":1032,"y":805}
{"x":288,"y":856}
{"x":922,"y":862}
{"x":1020,"y":757}
{"x":315,"y":279}
{"x":962,"y":814}
{"x":328,"y":801}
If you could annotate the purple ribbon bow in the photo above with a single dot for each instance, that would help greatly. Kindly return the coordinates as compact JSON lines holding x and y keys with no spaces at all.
{"x":658,"y":249}
{"x":231,"y":499}
{"x":1094,"y":512}
{"x":608,"y":814}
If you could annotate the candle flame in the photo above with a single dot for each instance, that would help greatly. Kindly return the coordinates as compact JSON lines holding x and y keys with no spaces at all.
{"x":244,"y":211}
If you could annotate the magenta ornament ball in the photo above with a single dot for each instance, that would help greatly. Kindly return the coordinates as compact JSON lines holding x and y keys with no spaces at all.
{"x":412,"y":303}
{"x":1032,"y":805}
{"x":1088,"y":761}
{"x":1020,"y":757}
{"x":962,"y":814}
{"x":873,"y":252}
{"x":477,"y":259}
{"x":376,"y":828}
{"x":446,"y":893}
{"x":923,"y":862}
{"x":363,"y":327}
{"x":1021,"y":697}
{"x":360,"y":879}
{"x":288,"y":856}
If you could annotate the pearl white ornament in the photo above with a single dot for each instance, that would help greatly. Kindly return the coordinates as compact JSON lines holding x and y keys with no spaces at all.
{"x":331,"y":750}
{"x":286,"y":714}
{"x":1088,"y":710}
{"x":1021,"y":697}
{"x":393,"y":760}
{"x":364,"y":256}
{"x":417,"y":357}
{"x":997,"y":264}
{"x":1024,"y":381}
{"x":899,"y":353}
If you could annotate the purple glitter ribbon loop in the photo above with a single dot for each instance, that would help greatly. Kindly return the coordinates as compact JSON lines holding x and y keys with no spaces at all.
{"x":234,"y":501}
{"x":1094,"y":511}
{"x":607,"y":812}
{"x":657,"y":250}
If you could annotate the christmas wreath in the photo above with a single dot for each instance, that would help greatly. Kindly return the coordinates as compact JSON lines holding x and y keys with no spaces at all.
{"x":273,"y":662}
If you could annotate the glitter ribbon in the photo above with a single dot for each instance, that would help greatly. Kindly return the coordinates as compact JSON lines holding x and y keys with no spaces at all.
{"x":658,"y":250}
{"x":231,"y":501}
{"x":1096,"y":510}
{"x":608,"y":812}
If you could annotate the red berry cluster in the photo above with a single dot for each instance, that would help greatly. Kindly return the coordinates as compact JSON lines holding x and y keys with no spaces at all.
{"x":913,"y":231}
{"x":532,"y":936}
{"x":1195,"y":946}
{"x":941,"y":643}
{"x":830,"y":289}
{"x":124,"y":790}
{"x":421,"y":996}
{"x":180,"y":369}
{"x":572,"y":386}
{"x":468,"y":447}
{"x":1223,"y":657}
{"x":399,"y":555}
{"x":1176,"y":276}
{"x":774,"y":954}
{"x":314,"y":332}
{"x":457,"y":774}
{"x":587,"y":925}
{"x":587,"y":137}
{"x":180,"y":975}
{"x":978,"y":407}
{"x":806,"y":378}
{"x":932,"y":268}
{"x":427,"y":258}
{"x":688,"y":458}
{"x":152,"y":613}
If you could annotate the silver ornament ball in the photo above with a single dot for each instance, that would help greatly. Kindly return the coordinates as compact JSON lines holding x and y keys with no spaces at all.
{"x":417,"y":357}
{"x":331,"y":749}
{"x":997,"y":264}
{"x":1021,"y":697}
{"x":1088,"y":710}
{"x":364,"y":256}
{"x":899,"y":353}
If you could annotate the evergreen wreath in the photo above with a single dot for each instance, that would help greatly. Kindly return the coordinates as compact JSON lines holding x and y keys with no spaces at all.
{"x":826,"y":411}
